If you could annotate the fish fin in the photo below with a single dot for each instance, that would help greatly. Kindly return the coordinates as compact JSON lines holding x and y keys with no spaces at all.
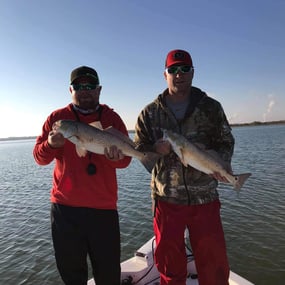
{"x":113,"y":131}
{"x":182,"y":157}
{"x":81,"y":152}
{"x":149,"y":160}
{"x":96,"y":124}
{"x":164,"y":134}
{"x":216,"y":156}
{"x":240,"y":179}
{"x":200,"y":145}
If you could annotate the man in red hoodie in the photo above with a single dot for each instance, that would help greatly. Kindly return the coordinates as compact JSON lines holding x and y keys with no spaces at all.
{"x":84,"y":217}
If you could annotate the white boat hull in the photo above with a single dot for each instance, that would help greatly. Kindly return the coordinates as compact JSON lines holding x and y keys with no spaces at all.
{"x":141,"y":270}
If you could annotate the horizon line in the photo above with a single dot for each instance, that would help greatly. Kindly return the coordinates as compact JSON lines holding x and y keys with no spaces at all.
{"x":254,"y":123}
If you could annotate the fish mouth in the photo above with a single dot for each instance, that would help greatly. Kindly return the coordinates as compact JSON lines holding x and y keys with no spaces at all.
{"x":56,"y":125}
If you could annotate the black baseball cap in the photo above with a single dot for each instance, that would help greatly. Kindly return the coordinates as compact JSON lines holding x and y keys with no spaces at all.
{"x":84,"y":71}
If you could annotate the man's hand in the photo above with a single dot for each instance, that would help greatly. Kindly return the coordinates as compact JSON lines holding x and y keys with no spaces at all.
{"x":113,"y":153}
{"x":55,"y":140}
{"x":162,"y":147}
{"x":227,"y":166}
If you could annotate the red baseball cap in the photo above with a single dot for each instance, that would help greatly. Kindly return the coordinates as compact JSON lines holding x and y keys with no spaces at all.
{"x":179,"y":57}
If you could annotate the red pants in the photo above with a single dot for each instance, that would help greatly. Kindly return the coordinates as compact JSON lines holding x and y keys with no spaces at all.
{"x":206,"y":238}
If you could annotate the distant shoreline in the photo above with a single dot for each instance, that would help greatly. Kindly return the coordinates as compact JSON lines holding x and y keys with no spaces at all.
{"x":255,"y":123}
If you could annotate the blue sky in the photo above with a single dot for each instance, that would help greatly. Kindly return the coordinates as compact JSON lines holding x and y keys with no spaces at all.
{"x":238,"y":51}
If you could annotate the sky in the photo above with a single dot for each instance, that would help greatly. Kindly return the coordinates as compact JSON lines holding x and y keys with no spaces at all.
{"x":237,"y":47}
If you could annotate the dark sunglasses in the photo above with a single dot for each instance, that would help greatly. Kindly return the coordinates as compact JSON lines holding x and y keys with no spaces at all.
{"x":182,"y":69}
{"x":78,"y":87}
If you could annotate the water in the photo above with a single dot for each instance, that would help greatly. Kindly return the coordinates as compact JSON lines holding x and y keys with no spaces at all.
{"x":254,"y":219}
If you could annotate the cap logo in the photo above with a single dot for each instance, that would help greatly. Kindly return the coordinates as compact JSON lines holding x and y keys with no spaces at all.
{"x":90,"y":74}
{"x":179,"y":55}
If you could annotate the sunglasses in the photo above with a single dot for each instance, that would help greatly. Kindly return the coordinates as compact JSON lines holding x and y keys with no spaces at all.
{"x":182,"y":69}
{"x":78,"y":87}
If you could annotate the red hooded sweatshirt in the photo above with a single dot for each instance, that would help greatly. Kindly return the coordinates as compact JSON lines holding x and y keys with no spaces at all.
{"x":72,"y":185}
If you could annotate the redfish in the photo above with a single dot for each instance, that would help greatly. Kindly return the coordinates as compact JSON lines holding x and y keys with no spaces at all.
{"x":196,"y":157}
{"x":93,"y":139}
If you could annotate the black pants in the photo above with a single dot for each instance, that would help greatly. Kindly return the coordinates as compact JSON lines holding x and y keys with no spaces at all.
{"x":78,"y":232}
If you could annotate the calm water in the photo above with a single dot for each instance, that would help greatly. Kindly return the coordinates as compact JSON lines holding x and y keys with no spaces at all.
{"x":254,"y":219}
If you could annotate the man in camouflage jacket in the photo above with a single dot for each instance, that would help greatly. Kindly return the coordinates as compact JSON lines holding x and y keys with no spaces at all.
{"x":183,"y":196}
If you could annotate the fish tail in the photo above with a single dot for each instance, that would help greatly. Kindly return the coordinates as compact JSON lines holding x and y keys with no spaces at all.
{"x":240,"y":179}
{"x":149,"y":159}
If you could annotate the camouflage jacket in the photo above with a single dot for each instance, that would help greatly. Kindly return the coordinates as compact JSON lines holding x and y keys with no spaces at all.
{"x":204,"y":123}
